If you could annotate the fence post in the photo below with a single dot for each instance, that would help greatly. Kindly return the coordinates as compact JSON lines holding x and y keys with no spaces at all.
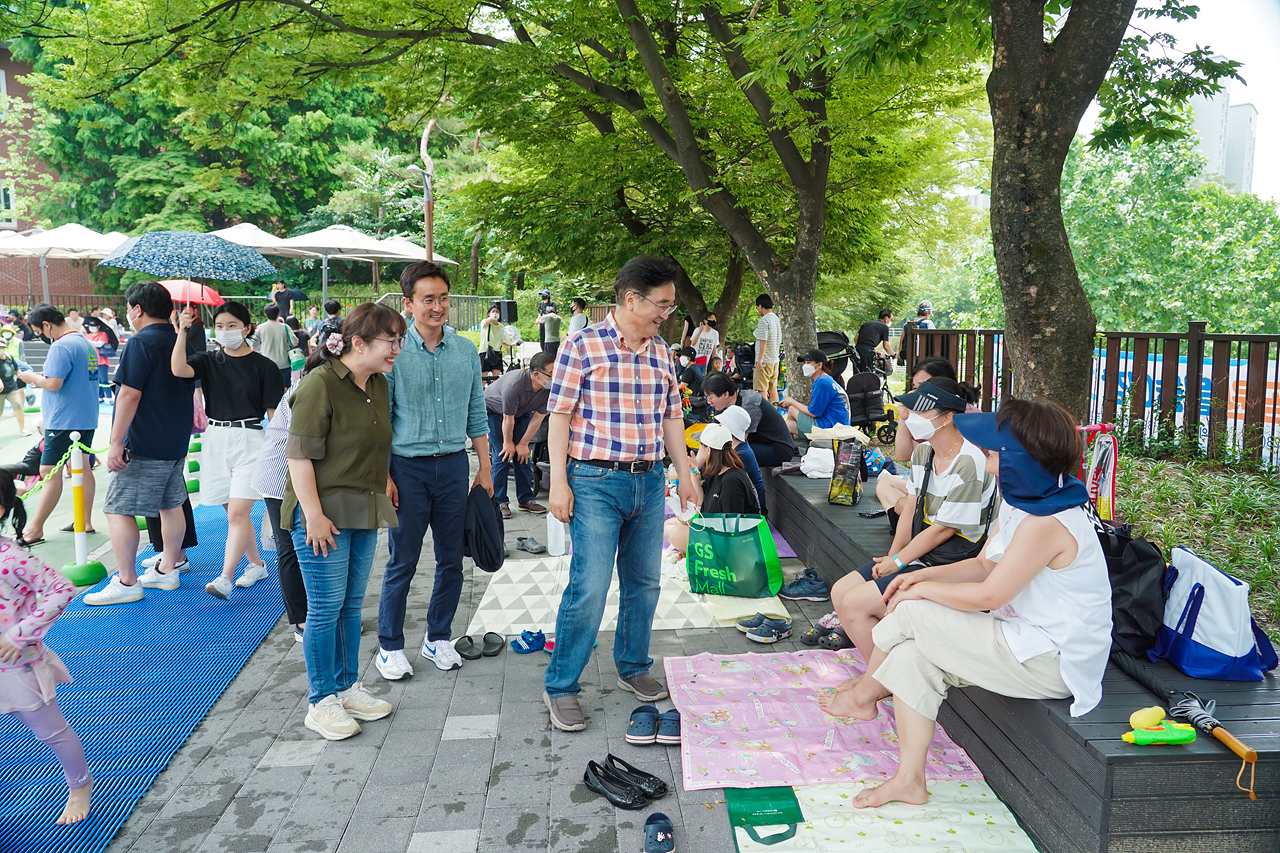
{"x":1195,"y":379}
{"x":908,"y":350}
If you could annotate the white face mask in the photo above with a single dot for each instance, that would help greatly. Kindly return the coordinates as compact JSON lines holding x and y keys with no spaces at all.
{"x":230,"y":338}
{"x":684,"y":361}
{"x":809,"y":370}
{"x":920,"y":427}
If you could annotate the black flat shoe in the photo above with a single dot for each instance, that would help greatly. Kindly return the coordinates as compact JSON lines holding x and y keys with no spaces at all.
{"x":467,"y":649}
{"x":493,"y":644}
{"x":619,"y":793}
{"x":652,"y":787}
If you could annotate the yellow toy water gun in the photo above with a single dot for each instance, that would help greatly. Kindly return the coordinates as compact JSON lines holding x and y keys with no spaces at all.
{"x":1151,"y":728}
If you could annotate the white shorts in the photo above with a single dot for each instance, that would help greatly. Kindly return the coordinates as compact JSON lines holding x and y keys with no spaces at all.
{"x":228,"y":457}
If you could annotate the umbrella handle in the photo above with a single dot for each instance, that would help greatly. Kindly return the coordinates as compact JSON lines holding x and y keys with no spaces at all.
{"x":1234,"y":744}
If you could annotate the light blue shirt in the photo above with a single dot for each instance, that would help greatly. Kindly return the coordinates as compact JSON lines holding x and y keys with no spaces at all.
{"x":437,"y":398}
{"x":72,"y":359}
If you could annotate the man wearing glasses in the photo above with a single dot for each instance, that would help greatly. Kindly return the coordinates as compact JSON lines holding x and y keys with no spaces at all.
{"x":615,"y":404}
{"x":437,"y":403}
{"x":517,"y":403}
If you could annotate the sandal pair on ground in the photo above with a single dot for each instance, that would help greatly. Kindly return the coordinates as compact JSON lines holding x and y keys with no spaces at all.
{"x":532,"y":641}
{"x":628,"y":787}
{"x":648,"y":726}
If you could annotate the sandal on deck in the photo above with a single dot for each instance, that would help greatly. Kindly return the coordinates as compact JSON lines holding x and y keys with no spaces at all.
{"x":836,"y":640}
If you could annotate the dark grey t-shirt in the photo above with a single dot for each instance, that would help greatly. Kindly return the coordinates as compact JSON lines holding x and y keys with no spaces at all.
{"x":513,"y":394}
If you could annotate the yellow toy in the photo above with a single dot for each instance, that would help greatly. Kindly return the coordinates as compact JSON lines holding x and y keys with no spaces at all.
{"x":1146,"y":717}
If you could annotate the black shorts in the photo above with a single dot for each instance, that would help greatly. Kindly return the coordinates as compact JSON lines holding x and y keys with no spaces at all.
{"x":58,"y":441}
{"x":883,"y":582}
{"x":491,"y":360}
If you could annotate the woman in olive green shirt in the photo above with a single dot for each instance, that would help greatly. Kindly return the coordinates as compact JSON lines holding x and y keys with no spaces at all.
{"x":338,"y":447}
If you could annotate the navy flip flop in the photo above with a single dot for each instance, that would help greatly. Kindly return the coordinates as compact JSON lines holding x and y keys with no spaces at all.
{"x":658,"y":834}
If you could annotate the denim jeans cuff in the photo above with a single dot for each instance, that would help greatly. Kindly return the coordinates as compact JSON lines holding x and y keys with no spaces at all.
{"x":558,"y":693}
{"x":644,"y":671}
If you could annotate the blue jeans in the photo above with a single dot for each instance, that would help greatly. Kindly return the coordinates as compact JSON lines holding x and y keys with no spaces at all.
{"x":335,"y":592}
{"x":524,"y":470}
{"x":433,"y":491}
{"x":616,"y":515}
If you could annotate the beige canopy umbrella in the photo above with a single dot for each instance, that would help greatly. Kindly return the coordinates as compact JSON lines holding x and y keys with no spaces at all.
{"x":72,"y":241}
{"x":404,"y":249}
{"x":344,"y":242}
{"x":248,"y":234}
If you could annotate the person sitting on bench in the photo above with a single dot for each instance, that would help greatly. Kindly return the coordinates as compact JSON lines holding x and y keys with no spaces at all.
{"x":890,"y":490}
{"x":948,"y":506}
{"x":828,"y":403}
{"x":722,"y":485}
{"x":1029,"y":617}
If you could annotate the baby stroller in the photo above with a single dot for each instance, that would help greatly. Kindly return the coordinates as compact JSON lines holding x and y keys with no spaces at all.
{"x":867,"y":410}
{"x":744,"y":365}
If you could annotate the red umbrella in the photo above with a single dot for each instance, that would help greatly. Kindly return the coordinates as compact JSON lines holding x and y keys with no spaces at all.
{"x":192,"y":292}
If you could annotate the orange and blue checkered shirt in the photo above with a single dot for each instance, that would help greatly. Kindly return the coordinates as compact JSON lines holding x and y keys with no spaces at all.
{"x":617,"y":399}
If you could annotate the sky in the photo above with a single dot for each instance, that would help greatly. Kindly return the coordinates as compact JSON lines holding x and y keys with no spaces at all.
{"x":1247,"y":31}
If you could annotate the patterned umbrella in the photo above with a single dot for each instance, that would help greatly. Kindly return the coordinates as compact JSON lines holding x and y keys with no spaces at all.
{"x":186,"y":254}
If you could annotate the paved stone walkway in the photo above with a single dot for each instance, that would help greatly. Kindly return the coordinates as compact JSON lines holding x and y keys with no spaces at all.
{"x":467,"y":761}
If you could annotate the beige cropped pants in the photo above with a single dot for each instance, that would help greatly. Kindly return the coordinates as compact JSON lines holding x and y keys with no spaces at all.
{"x":932,"y":647}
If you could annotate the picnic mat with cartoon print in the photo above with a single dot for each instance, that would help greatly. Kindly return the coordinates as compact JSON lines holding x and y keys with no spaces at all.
{"x":960,"y":816}
{"x":753,"y":720}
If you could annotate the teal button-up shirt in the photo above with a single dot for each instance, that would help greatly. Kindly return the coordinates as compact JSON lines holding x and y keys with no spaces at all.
{"x":437,"y":398}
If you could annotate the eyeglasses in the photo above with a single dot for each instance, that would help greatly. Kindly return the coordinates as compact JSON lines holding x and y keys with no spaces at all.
{"x":396,"y":343}
{"x":546,"y":376}
{"x":443,"y":302}
{"x":665,"y":309}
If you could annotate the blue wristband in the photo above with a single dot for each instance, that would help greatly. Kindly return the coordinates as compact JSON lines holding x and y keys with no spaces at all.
{"x":898,"y":562}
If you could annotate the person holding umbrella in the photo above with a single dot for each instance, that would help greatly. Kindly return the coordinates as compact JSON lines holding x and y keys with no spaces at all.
{"x":240,"y":386}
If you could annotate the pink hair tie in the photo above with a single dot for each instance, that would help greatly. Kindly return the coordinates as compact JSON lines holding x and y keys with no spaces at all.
{"x":334,"y":343}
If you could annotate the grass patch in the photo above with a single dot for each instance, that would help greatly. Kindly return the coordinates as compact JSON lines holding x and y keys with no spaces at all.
{"x":1230,"y":518}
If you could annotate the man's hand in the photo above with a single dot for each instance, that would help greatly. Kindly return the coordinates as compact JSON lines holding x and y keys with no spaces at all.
{"x":508,"y":451}
{"x":393,"y":494}
{"x":484,"y":477}
{"x":561,"y":501}
{"x":115,"y":458}
{"x":522,"y":451}
{"x":27,"y":376}
{"x":688,"y":494}
{"x":787,"y":402}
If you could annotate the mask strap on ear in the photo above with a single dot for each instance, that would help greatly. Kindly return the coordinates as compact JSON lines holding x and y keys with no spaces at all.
{"x":1061,"y":481}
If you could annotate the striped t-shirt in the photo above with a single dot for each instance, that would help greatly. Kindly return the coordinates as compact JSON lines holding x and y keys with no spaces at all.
{"x":958,"y":496}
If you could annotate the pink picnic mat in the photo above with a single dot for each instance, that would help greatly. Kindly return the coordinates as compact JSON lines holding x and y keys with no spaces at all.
{"x":753,"y":720}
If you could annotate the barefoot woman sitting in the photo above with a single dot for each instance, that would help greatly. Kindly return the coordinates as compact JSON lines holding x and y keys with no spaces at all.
{"x":1041,"y":576}
{"x":947,"y":511}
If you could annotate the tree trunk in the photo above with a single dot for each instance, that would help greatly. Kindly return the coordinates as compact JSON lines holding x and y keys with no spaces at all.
{"x":476,"y":242}
{"x":1038,"y":93}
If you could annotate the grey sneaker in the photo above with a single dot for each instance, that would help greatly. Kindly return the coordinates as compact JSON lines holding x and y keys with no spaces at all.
{"x":644,"y":686}
{"x":566,"y":713}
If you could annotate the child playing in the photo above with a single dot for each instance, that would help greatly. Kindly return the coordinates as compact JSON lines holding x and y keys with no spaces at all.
{"x":32,"y":595}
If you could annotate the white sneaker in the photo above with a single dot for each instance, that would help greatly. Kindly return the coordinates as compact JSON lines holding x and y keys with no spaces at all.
{"x":360,"y":704}
{"x":219,"y":588}
{"x":329,"y":719}
{"x":251,"y":575}
{"x":442,"y":654}
{"x":152,"y":562}
{"x":115,"y":593}
{"x":153,"y":579}
{"x":393,"y":665}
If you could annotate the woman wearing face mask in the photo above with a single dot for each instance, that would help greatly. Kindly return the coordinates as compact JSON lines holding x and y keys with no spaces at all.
{"x":240,"y":386}
{"x":706,"y":343}
{"x":948,"y":524}
{"x":689,"y":376}
{"x":720,"y":481}
{"x":491,"y":343}
{"x":828,"y":404}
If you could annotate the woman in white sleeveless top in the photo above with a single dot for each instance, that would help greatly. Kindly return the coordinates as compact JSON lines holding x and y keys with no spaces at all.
{"x":1029,"y":617}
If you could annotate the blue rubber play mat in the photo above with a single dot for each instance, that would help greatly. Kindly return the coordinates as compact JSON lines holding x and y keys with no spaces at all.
{"x":146,"y":673}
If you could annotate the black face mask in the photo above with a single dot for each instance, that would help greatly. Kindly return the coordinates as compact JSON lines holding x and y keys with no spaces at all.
{"x":44,"y":338}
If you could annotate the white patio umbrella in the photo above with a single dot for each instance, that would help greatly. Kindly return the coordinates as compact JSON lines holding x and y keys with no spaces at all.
{"x":248,"y":234}
{"x":404,"y":249}
{"x":72,"y":241}
{"x":342,"y":241}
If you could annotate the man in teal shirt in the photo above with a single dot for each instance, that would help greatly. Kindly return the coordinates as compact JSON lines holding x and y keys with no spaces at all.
{"x":437,"y":403}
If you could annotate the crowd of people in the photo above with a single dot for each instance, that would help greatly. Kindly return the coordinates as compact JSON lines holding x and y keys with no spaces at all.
{"x":370,"y":432}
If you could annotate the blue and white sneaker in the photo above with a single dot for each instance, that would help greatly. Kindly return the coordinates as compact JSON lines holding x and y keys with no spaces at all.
{"x":754,"y":622}
{"x":808,"y":587}
{"x":392,"y":665}
{"x":770,"y":631}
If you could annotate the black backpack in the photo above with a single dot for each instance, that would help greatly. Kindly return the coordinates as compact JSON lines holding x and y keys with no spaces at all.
{"x":1137,"y":572}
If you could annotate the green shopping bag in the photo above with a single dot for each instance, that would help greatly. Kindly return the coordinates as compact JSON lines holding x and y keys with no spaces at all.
{"x":753,"y":807}
{"x":733,"y":555}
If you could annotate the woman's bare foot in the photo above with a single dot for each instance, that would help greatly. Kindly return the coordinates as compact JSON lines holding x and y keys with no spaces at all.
{"x":846,"y":685}
{"x":77,"y":805}
{"x":845,"y":704}
{"x":896,"y":790}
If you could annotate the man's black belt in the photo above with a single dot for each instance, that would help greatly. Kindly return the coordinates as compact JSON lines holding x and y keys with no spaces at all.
{"x":636,"y":467}
{"x":243,"y":424}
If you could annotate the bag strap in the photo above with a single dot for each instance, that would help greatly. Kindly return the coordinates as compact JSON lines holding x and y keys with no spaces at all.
{"x":768,"y":840}
{"x":1266,"y":651}
{"x":1191,"y":611}
{"x":917,"y":519}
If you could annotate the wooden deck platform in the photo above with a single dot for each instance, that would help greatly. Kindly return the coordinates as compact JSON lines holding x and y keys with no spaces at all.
{"x":1073,"y":783}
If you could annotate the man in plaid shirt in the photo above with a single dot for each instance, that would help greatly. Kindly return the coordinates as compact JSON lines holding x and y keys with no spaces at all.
{"x":615,"y":402}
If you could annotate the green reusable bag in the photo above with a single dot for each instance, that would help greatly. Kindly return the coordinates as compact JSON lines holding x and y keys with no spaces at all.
{"x":752,"y":807}
{"x":733,"y":555}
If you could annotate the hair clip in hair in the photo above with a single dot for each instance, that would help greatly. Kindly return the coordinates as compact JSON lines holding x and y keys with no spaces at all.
{"x":333,"y":343}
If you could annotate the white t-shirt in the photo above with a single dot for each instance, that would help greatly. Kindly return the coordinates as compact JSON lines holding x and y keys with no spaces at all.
{"x":707,"y":341}
{"x":769,"y":330}
{"x":959,"y":496}
{"x":1066,"y":610}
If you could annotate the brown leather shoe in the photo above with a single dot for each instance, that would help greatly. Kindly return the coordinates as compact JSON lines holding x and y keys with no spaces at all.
{"x":505,"y":509}
{"x":533,"y":506}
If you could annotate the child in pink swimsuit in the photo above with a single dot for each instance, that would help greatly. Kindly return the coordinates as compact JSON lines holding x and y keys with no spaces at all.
{"x":32,"y":596}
